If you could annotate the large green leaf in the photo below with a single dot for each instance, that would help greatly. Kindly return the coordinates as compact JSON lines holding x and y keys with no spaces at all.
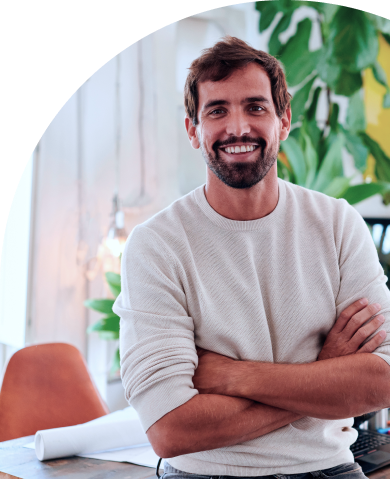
{"x":329,"y":10}
{"x":379,"y":74}
{"x":311,"y":111}
{"x":351,"y":47}
{"x":101,"y":305}
{"x":386,"y":36}
{"x":108,"y":323}
{"x":353,"y":41}
{"x":268,"y":11}
{"x":325,"y":143}
{"x":334,"y":116}
{"x":331,"y":165}
{"x":381,"y":77}
{"x":295,"y":158}
{"x":356,"y":117}
{"x":299,"y":100}
{"x":311,"y":158}
{"x":309,"y":124}
{"x":114,"y":282}
{"x":295,"y":133}
{"x":357,"y":193}
{"x":382,"y":161}
{"x":342,"y":81}
{"x":274,"y":44}
{"x":382,"y":24}
{"x":358,"y":150}
{"x":295,"y":56}
{"x":337,"y":187}
{"x":269,"y":8}
{"x":348,"y":83}
{"x":314,"y":132}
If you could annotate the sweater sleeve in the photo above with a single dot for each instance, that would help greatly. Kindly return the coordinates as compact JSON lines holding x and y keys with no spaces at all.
{"x":157,"y":349}
{"x":361,"y":274}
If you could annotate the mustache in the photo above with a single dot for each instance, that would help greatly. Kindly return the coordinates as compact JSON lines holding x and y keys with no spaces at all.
{"x":239,"y":139}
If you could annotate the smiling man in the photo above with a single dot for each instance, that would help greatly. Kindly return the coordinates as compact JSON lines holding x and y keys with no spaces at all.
{"x":253,"y":271}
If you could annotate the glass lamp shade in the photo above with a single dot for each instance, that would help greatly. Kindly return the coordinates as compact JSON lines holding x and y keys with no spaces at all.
{"x":116,"y":236}
{"x":112,"y":246}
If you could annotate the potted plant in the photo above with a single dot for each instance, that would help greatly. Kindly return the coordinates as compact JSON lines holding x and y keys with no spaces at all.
{"x":108,"y":326}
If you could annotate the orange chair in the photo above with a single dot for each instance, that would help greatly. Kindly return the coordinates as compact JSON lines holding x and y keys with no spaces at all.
{"x":44,"y":387}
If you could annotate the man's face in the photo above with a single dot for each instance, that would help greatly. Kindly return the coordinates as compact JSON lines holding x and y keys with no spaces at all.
{"x":238,"y":131}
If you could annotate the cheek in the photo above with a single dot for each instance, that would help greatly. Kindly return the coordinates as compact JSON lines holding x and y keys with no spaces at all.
{"x":272,"y":134}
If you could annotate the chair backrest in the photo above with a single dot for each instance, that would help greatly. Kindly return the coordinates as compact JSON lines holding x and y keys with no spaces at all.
{"x":44,"y":387}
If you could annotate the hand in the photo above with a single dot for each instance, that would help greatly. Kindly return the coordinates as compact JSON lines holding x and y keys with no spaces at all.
{"x":213,"y":372}
{"x":348,"y":332}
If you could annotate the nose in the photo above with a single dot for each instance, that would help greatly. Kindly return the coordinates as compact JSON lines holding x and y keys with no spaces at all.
{"x":237,"y":124}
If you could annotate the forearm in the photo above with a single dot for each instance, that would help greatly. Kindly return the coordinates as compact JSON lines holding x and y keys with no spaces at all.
{"x":332,"y":389}
{"x":211,"y":421}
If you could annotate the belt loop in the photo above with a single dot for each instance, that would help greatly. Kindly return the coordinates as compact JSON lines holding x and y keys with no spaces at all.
{"x":158,"y":467}
{"x":316,"y":473}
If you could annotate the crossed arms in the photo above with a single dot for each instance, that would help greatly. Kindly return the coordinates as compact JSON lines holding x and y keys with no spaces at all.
{"x":242,"y":400}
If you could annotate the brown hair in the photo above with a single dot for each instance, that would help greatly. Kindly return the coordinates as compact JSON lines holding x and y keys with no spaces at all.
{"x":220,"y":61}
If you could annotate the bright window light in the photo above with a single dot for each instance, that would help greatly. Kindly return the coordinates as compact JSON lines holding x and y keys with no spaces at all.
{"x":377,"y":233}
{"x":386,"y":242}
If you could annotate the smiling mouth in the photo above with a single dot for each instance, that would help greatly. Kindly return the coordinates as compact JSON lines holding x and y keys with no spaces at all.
{"x":239,"y":149}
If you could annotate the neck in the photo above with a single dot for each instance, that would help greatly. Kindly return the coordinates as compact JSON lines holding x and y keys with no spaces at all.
{"x":243,"y":204}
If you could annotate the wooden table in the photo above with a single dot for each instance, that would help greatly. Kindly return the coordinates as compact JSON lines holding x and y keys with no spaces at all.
{"x":19,"y":462}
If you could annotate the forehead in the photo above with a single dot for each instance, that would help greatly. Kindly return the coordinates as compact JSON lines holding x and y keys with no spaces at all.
{"x":250,"y":81}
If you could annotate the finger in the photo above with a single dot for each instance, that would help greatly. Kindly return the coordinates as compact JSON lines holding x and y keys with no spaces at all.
{"x":365,"y":332}
{"x":373,"y":343}
{"x":347,"y":314}
{"x":359,"y":319}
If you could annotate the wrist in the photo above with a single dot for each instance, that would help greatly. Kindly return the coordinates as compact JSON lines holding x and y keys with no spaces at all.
{"x":242,"y":378}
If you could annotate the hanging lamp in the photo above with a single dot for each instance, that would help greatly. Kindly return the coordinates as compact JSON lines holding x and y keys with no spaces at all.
{"x":114,"y":242}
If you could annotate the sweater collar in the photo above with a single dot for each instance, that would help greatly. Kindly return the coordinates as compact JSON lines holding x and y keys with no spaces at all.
{"x":234,"y":225}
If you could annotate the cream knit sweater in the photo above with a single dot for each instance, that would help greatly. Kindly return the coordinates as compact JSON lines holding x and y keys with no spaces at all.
{"x":263,"y":290}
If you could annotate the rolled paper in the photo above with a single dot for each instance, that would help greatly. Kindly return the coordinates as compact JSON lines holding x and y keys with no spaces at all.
{"x":90,"y":437}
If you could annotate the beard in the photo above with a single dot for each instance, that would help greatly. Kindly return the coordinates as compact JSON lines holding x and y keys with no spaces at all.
{"x":241,"y":174}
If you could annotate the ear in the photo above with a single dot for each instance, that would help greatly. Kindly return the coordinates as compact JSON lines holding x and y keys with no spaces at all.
{"x":192,"y":133}
{"x":285,"y":124}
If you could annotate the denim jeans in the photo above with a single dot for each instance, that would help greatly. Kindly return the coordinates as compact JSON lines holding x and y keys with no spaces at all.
{"x":350,"y":470}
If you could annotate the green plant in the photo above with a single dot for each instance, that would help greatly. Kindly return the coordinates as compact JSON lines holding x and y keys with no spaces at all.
{"x":108,"y":326}
{"x":312,"y":155}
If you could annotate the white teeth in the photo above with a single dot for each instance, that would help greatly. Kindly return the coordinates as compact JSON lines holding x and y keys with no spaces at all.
{"x":239,"y":149}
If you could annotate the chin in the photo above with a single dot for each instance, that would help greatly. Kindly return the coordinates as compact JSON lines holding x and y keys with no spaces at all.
{"x":239,"y":174}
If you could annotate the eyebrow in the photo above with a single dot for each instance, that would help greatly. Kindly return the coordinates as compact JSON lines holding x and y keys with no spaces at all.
{"x":251,"y":99}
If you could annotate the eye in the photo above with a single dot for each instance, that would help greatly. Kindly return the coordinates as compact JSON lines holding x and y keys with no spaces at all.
{"x":217,"y":111}
{"x":256,"y":108}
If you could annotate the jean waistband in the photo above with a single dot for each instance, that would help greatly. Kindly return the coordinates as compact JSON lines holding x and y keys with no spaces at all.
{"x":170,"y":469}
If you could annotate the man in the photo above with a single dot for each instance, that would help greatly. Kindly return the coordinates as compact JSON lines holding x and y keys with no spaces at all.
{"x":253,"y":271}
